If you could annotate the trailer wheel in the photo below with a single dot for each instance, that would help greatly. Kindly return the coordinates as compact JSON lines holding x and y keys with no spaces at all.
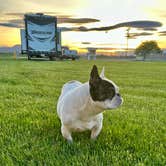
{"x":52,"y":58}
{"x":61,"y":58}
{"x":29,"y":57}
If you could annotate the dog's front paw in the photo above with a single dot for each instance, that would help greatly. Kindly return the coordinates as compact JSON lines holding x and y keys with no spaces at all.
{"x":93,"y":137}
{"x":66,"y":134}
{"x":96,"y":131}
{"x":70,"y":141}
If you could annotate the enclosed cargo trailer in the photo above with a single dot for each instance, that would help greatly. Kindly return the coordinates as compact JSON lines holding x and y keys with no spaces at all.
{"x":23,"y":41}
{"x":41,"y":36}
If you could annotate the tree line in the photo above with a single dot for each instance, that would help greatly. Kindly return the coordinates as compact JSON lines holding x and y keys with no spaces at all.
{"x":147,"y":48}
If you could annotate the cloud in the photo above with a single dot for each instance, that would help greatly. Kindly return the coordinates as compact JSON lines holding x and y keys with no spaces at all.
{"x":41,"y":5}
{"x":117,"y":45}
{"x":148,"y":29}
{"x":76,"y":20}
{"x":106,"y":48}
{"x":85,"y":43}
{"x":12,"y":20}
{"x":16,"y":19}
{"x":134,"y":35}
{"x":11,"y":25}
{"x":21,"y":14}
{"x":162,"y":33}
{"x":133,"y":24}
{"x":15,"y":14}
{"x":82,"y":28}
{"x":65,"y":29}
{"x":17,"y":22}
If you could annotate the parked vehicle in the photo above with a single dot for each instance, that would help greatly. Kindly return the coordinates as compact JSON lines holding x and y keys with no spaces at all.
{"x":69,"y":54}
{"x":40,"y":37}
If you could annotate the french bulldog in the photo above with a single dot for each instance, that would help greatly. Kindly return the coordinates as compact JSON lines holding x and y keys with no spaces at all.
{"x":80,"y":106}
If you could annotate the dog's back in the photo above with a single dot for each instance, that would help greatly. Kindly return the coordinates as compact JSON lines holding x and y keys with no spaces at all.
{"x":71,"y":85}
{"x":67,"y":88}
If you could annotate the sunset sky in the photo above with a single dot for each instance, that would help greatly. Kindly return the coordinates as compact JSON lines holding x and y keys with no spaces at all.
{"x":88,"y":14}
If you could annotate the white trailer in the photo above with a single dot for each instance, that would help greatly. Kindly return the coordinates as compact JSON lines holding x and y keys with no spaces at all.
{"x":59,"y":46}
{"x":40,"y":36}
{"x":24,"y":44}
{"x":23,"y":41}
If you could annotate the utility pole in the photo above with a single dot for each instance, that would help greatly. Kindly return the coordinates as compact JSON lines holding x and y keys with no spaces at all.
{"x":127,"y":37}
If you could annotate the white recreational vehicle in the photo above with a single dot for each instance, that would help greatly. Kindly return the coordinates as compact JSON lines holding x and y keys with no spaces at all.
{"x":24,"y":42}
{"x":40,"y":38}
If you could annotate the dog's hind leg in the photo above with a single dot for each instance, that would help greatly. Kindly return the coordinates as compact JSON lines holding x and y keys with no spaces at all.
{"x":66,"y":133}
{"x":96,"y":131}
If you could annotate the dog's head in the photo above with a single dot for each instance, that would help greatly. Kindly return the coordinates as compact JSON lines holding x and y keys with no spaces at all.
{"x":104,"y":90}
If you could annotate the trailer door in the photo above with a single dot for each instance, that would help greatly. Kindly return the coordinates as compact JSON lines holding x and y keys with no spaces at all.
{"x":41,"y":35}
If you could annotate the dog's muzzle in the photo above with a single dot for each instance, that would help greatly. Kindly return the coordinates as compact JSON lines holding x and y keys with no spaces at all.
{"x":115,"y":102}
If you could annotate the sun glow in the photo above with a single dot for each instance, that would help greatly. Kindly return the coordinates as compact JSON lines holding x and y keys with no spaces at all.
{"x":9,"y":36}
{"x":109,"y":12}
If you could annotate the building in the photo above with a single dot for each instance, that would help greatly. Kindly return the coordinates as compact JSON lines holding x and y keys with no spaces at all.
{"x":91,"y":53}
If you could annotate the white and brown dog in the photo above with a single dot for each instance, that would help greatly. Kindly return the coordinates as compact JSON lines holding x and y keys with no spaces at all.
{"x":80,"y":106}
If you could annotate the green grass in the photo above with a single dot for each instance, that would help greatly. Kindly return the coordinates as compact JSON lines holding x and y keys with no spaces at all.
{"x":134,"y":134}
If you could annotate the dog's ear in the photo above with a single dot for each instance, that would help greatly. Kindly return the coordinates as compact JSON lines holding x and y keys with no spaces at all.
{"x":94,"y":75}
{"x":102,"y":73}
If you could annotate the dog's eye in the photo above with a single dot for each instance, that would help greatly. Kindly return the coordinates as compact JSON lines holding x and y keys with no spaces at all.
{"x":118,"y":94}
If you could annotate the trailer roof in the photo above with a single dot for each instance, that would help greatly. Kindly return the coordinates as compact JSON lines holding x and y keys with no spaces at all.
{"x":39,"y":16}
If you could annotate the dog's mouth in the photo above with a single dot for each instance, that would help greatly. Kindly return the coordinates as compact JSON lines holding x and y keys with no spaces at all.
{"x":114,"y":103}
{"x":119,"y":102}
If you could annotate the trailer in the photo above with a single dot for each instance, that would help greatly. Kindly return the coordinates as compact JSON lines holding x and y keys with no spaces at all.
{"x":39,"y":39}
{"x":23,"y":41}
{"x":42,"y":38}
{"x":59,"y":46}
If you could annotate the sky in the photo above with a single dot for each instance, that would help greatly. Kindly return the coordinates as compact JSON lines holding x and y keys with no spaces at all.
{"x":90,"y":23}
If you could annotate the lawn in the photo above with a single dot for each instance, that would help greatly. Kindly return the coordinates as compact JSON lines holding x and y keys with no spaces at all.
{"x":134,"y":134}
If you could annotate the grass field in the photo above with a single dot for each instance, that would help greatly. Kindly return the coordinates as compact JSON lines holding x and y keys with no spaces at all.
{"x":134,"y":134}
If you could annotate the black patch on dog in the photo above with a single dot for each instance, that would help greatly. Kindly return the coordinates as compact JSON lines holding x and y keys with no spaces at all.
{"x":100,"y":90}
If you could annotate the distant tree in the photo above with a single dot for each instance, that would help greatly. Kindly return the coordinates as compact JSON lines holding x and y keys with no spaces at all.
{"x":147,"y":48}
